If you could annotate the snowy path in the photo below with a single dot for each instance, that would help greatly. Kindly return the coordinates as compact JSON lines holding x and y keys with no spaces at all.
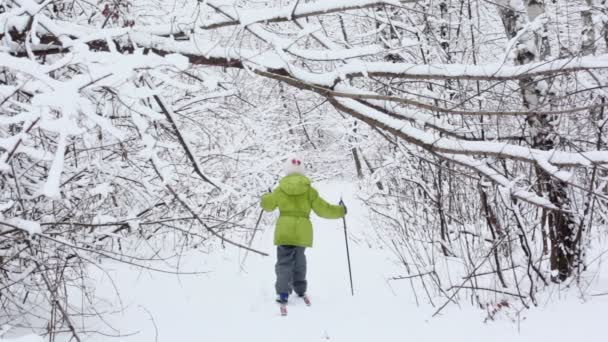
{"x":228,"y":304}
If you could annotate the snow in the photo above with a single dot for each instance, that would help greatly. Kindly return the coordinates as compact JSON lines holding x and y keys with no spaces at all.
{"x":28,"y":67}
{"x":31,"y":227}
{"x":28,"y":338}
{"x":294,"y":9}
{"x":228,"y":303}
{"x":316,"y":55}
{"x":322,"y":55}
{"x":102,"y":189}
{"x":207,"y":48}
{"x":100,"y":219}
{"x":207,"y":96}
{"x":548,"y":160}
{"x":6,"y":205}
{"x":408,"y":114}
{"x":231,"y":299}
{"x":179,"y":61}
{"x":15,"y":278}
{"x":51,"y":187}
{"x":494,"y":71}
{"x":21,"y":117}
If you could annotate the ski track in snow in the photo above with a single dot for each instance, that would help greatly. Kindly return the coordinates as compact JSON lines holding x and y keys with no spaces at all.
{"x":229,"y":304}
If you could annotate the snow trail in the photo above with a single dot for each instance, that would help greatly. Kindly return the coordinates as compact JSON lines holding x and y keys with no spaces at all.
{"x":230,"y":304}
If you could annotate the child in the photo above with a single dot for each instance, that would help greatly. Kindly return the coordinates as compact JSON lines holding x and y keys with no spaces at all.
{"x":295,"y":198}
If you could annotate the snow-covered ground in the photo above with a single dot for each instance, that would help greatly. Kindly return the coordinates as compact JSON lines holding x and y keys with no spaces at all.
{"x":230,"y":303}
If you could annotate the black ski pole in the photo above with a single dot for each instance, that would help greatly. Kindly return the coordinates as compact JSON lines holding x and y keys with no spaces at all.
{"x":255,"y":229}
{"x":350,"y":273}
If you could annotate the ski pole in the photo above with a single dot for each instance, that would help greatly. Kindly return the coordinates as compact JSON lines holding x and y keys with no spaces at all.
{"x":350,"y":273}
{"x":255,"y":229}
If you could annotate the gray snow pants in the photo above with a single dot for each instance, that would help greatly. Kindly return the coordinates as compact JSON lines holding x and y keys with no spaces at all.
{"x":291,"y":270}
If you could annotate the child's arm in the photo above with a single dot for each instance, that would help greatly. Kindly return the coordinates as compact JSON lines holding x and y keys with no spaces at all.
{"x":269,"y":202}
{"x":324,"y":209}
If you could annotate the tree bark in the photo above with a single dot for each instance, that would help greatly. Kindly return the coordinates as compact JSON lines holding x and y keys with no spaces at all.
{"x":588,"y":31}
{"x":534,"y":47}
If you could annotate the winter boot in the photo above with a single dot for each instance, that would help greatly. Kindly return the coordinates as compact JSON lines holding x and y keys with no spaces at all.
{"x":282,"y":298}
{"x":305,"y":298}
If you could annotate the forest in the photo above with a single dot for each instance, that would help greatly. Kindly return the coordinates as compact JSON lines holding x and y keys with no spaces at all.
{"x":471,"y":133}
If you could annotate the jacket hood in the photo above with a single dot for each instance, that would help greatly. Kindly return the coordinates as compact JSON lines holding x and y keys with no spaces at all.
{"x":294,"y":184}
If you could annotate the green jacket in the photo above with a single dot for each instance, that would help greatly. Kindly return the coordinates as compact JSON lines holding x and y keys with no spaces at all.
{"x":295,"y":198}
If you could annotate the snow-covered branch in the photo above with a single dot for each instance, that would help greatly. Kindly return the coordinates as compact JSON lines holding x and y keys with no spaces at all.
{"x":295,"y":10}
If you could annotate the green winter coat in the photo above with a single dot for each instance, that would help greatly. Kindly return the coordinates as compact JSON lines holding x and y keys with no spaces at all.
{"x":295,"y":198}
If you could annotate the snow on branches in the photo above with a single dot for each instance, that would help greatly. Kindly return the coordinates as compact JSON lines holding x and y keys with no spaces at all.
{"x":120,"y":120}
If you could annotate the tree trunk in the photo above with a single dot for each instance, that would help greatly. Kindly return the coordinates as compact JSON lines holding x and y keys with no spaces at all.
{"x":531,"y":47}
{"x":357,"y":163}
{"x":588,"y":32}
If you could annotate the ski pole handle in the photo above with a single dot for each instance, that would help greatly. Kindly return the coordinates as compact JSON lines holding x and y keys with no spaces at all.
{"x":343,"y":205}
